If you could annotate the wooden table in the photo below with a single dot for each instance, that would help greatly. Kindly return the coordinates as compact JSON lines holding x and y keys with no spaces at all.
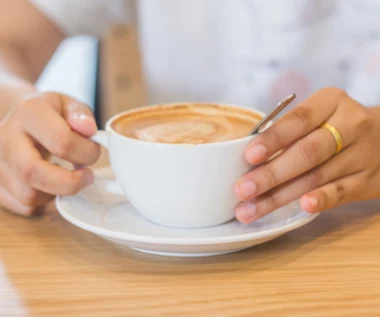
{"x":330,"y":267}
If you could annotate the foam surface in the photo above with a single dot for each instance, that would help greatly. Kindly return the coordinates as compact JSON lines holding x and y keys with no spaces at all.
{"x":187,"y":124}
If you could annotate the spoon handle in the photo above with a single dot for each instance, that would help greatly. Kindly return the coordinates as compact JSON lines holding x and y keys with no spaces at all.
{"x":280,"y":106}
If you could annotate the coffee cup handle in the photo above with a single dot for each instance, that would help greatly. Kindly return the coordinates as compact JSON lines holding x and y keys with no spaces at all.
{"x":112,"y":186}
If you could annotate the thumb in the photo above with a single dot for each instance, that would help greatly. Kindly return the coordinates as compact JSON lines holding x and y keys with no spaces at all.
{"x":80,"y":118}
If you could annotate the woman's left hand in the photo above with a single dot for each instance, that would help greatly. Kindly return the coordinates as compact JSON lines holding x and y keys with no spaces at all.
{"x":308,"y":166}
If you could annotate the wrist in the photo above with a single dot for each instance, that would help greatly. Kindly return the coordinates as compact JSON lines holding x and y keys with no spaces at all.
{"x":12,"y":94}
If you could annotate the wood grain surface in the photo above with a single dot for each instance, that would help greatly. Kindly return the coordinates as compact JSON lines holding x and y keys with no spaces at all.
{"x":330,"y":267}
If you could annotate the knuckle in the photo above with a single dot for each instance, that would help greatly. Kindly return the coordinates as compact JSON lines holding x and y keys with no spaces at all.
{"x":314,"y":179}
{"x":271,"y":134}
{"x":53,"y":98}
{"x":272,"y":177}
{"x":310,"y":152}
{"x":341,"y":193}
{"x":272,"y":204}
{"x":364,"y":121}
{"x":28,"y":196}
{"x":31,"y":105}
{"x":28,"y":172}
{"x":334,"y":93}
{"x":303,"y":116}
{"x":39,"y":100}
{"x":62,"y":143}
{"x":31,"y":101}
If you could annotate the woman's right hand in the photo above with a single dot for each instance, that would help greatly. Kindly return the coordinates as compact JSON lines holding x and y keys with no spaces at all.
{"x":44,"y":124}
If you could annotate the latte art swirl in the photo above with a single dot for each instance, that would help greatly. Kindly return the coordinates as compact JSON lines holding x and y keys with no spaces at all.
{"x":190,"y":124}
{"x":192,"y":131}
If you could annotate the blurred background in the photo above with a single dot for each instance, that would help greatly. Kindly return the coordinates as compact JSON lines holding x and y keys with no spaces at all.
{"x":73,"y":69}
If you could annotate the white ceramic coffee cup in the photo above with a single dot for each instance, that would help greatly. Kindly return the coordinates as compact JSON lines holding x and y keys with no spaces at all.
{"x":176,"y":185}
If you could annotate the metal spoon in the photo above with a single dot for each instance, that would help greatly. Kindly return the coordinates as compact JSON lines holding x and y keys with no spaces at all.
{"x":280,"y":106}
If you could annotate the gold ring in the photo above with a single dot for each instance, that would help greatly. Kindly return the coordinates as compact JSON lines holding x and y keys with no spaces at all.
{"x":335,"y":134}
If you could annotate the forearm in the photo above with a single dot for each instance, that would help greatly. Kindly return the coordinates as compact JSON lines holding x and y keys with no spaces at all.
{"x":16,"y":78}
{"x":28,"y":39}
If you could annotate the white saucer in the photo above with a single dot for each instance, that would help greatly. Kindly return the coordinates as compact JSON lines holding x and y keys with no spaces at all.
{"x":113,"y":218}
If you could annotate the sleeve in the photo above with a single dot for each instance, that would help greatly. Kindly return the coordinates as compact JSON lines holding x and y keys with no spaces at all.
{"x":91,"y":17}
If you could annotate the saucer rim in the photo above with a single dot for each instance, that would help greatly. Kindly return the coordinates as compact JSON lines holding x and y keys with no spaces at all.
{"x":154,"y":240}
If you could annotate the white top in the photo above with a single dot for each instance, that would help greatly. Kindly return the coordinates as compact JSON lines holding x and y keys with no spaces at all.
{"x":246,"y":52}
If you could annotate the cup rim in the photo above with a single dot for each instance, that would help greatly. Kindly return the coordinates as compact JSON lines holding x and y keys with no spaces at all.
{"x":108,"y":126}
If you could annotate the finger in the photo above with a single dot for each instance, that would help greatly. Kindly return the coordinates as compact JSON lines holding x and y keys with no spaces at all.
{"x":331,"y":195}
{"x":304,"y":155}
{"x":11,"y":204}
{"x":45,"y":125}
{"x":79,"y":117}
{"x":335,"y":168}
{"x":25,"y":195}
{"x":32,"y":170}
{"x":295,"y":124}
{"x":77,"y":114}
{"x":55,"y":180}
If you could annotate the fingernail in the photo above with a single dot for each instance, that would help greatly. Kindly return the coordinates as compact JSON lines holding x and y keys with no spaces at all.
{"x":313,"y":201}
{"x":81,"y":116}
{"x":256,"y":153}
{"x":247,"y":189}
{"x":246,"y":211}
{"x":308,"y":203}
